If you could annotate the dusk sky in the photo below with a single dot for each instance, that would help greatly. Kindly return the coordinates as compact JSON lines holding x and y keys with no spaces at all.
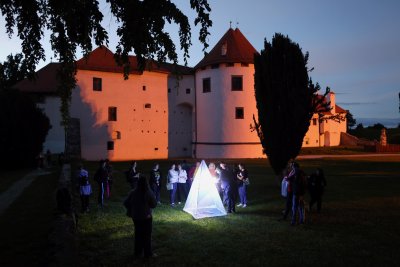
{"x":354,"y":45}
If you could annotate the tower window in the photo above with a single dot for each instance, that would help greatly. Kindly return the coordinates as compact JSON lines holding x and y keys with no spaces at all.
{"x":237,"y":83}
{"x":169,"y":90}
{"x":144,"y":87}
{"x":239,"y":113}
{"x":116,"y":135}
{"x":112,"y":113}
{"x":188,"y":91}
{"x":206,"y":85}
{"x":147,"y":105}
{"x":97,"y":84}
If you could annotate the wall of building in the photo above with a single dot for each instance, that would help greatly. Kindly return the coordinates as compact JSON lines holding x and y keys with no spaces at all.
{"x":181,"y":120}
{"x":141,"y":128}
{"x":219,"y":133}
{"x":312,"y":137}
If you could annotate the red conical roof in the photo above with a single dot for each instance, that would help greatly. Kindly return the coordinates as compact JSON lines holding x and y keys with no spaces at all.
{"x":232,"y":48}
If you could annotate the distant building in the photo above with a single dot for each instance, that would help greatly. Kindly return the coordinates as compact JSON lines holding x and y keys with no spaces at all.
{"x":167,"y":111}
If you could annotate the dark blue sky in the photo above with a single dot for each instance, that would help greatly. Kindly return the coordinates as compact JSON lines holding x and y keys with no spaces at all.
{"x":354,"y":45}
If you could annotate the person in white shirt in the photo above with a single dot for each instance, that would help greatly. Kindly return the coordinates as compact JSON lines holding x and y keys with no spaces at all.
{"x":173,"y":177}
{"x":182,"y":177}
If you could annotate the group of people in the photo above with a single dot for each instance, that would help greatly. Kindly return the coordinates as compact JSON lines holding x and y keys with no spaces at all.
{"x":295,"y":183}
{"x":230,"y":183}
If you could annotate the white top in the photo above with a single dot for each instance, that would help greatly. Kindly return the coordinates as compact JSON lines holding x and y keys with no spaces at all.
{"x":182,"y":176}
{"x":173,"y":176}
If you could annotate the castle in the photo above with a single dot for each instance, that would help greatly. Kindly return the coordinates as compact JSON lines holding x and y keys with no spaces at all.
{"x":166,"y":111}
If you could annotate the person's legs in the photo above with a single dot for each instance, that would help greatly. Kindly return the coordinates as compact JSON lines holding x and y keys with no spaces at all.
{"x":173,"y":193}
{"x":139,"y":237}
{"x":295,"y":206}
{"x":100,"y":198}
{"x":147,"y":229}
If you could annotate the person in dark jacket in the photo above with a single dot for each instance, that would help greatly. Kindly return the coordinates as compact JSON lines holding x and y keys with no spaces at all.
{"x":132,"y":175}
{"x":155,"y":181}
{"x":101,"y":177}
{"x":298,"y":185}
{"x":316,"y":186}
{"x":139,"y":205}
{"x":228,"y":186}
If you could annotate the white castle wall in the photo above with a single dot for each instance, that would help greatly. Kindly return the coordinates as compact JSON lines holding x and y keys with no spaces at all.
{"x":143,"y":131}
{"x":219,"y":133}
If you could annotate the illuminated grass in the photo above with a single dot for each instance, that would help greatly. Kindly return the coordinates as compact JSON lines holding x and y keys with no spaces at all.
{"x":358,"y":226}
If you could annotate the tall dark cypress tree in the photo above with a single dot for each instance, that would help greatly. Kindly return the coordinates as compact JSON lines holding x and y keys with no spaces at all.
{"x":286,"y":99}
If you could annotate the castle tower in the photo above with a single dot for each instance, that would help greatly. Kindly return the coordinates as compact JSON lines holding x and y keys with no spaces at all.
{"x":225,"y":101}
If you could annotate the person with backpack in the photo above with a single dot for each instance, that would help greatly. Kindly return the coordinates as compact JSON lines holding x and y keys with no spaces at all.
{"x":316,"y":186}
{"x":85,"y":189}
{"x":298,"y":182}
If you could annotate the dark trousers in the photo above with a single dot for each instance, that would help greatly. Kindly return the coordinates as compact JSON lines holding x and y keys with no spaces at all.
{"x":100,"y":198}
{"x":156,"y":190}
{"x":243,"y":194}
{"x":289,"y":203}
{"x":316,"y":198}
{"x":143,"y":230}
{"x":173,"y":192}
{"x":85,"y":202}
{"x":229,"y":197}
{"x":182,"y":192}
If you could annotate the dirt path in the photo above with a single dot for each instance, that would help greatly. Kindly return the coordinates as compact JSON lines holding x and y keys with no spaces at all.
{"x":9,"y":196}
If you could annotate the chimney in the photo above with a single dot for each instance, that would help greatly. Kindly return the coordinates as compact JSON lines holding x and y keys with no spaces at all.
{"x":331,"y":98}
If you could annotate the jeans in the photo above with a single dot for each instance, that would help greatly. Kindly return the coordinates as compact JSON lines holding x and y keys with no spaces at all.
{"x":173,"y":192}
{"x":298,"y":206}
{"x":243,"y":194}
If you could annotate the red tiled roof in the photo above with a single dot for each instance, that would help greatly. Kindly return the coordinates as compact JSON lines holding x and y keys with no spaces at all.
{"x":238,"y":50}
{"x":102,"y":59}
{"x":320,"y":108}
{"x":45,"y":81}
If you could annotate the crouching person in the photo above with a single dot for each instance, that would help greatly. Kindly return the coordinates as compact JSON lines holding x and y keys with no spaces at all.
{"x":139,"y":205}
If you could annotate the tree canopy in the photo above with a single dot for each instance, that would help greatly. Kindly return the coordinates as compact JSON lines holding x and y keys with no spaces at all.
{"x":77,"y":23}
{"x":286,"y":99}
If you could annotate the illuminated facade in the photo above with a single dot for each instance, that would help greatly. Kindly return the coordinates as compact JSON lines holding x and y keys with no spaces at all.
{"x":168,"y":111}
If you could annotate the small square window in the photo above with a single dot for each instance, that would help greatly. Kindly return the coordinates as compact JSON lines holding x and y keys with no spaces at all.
{"x":144,"y":87}
{"x":206,"y":85}
{"x":97,"y":84}
{"x":237,"y":83}
{"x":110,"y":145}
{"x":112,"y":113}
{"x":188,"y":91}
{"x":147,"y":105}
{"x":239,"y":113}
{"x":169,"y":90}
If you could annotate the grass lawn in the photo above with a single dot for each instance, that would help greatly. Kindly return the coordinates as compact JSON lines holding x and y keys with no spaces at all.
{"x":359,"y":224}
{"x":27,"y":223}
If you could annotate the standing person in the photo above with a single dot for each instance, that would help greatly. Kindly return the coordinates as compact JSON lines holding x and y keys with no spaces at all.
{"x":173,"y":177}
{"x":316,"y":185}
{"x":139,"y":204}
{"x":155,"y":181}
{"x":109,"y":181}
{"x":182,"y":177}
{"x":299,"y":185}
{"x":132,"y":175}
{"x":227,"y":186}
{"x":217,"y":181}
{"x":243,"y":177}
{"x":85,"y":190}
{"x":289,"y":192}
{"x":191,"y":173}
{"x":101,"y":177}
